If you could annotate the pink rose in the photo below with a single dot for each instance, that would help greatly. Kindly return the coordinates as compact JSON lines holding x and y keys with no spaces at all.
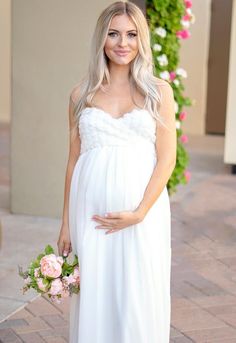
{"x":27,"y":280}
{"x":187,"y":175}
{"x":36,"y":272}
{"x":73,"y":278}
{"x":56,"y":287}
{"x":184,"y":138}
{"x":183,"y":115}
{"x":172,"y":75}
{"x":183,"y":34}
{"x":60,"y":260}
{"x":188,"y":3}
{"x":67,"y":280}
{"x":65,"y":293}
{"x":76,"y":275}
{"x":41,"y":285}
{"x":51,"y":265}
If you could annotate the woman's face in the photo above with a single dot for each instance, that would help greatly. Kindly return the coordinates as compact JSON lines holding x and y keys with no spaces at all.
{"x":121,"y":45}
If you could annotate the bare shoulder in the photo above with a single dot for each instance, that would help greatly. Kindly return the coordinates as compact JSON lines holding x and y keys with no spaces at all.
{"x":165,"y":89}
{"x":167,"y":101}
{"x":75,"y":93}
{"x":162,"y":84}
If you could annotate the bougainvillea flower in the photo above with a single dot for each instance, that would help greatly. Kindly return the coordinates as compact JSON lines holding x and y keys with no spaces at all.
{"x":187,"y":175}
{"x":172,"y":75}
{"x":184,"y":34}
{"x":184,"y":138}
{"x":188,"y":3}
{"x":183,"y":115}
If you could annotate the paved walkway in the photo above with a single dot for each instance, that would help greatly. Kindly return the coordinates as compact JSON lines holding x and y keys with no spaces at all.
{"x":203,"y":261}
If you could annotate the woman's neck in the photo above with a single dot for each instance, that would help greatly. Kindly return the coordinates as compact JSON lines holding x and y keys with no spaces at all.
{"x":119,"y":74}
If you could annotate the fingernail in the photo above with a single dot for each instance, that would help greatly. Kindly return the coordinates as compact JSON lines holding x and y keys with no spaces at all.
{"x":106,"y":214}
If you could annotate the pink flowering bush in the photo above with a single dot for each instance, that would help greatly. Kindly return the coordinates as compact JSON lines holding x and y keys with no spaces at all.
{"x":169,"y":23}
{"x":52,"y":275}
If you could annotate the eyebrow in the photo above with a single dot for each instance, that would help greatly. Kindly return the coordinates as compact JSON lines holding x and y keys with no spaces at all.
{"x":118,"y":30}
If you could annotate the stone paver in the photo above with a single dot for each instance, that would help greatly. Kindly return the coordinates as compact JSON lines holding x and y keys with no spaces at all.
{"x":203,"y":279}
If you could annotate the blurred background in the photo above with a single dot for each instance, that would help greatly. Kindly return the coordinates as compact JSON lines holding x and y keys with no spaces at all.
{"x":44,"y":49}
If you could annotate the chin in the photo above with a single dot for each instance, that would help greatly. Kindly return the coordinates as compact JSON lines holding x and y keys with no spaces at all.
{"x":121,"y":61}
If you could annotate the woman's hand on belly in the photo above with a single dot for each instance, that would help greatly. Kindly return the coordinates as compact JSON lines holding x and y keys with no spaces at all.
{"x":116,"y":221}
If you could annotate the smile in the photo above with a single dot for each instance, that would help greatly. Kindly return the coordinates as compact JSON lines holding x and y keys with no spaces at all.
{"x":121,"y":53}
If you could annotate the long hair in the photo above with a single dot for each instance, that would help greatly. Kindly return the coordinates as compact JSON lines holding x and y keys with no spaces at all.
{"x":141,"y":68}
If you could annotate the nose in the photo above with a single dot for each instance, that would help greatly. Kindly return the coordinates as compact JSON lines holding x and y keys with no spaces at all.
{"x":123,"y":40}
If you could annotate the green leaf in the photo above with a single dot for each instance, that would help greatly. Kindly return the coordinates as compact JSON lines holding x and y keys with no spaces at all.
{"x":40,"y":256}
{"x":49,"y":250}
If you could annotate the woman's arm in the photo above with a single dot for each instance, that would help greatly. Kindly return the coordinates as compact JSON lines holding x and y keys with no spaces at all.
{"x":74,"y":152}
{"x":166,"y":152}
{"x":63,"y":243}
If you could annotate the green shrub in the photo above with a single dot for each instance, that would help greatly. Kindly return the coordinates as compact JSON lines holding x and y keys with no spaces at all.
{"x":169,"y":21}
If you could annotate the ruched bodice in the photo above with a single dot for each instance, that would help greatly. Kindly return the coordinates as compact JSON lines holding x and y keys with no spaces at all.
{"x":98,"y":128}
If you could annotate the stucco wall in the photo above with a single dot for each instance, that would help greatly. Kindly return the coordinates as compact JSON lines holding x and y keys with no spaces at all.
{"x":50,"y":45}
{"x":230,"y":136}
{"x":194,"y":58}
{"x":5,"y":57}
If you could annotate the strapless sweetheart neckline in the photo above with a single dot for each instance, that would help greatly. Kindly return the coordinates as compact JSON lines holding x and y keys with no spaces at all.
{"x":123,"y":116}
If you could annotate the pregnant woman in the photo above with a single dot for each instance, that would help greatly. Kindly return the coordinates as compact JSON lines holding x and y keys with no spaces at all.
{"x":116,"y":215}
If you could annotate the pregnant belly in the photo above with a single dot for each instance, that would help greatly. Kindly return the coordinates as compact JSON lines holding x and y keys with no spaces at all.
{"x":113,"y":178}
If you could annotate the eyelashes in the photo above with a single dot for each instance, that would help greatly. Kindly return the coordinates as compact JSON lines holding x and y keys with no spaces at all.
{"x":114,"y":34}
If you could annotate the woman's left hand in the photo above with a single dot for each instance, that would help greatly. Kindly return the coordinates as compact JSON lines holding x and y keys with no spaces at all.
{"x":115,"y":221}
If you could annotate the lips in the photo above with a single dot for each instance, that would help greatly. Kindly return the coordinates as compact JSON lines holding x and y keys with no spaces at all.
{"x":122,"y":52}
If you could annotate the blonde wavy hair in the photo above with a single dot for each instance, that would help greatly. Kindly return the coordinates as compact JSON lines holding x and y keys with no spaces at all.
{"x":141,"y":68}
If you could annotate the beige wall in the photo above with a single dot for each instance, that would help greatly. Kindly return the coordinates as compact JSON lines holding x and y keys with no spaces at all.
{"x":5,"y":58}
{"x":50,"y":52}
{"x":50,"y":47}
{"x":194,"y":58}
{"x":230,"y":133}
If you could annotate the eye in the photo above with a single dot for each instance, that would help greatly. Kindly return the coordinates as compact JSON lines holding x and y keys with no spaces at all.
{"x":132,"y":34}
{"x":112,"y":34}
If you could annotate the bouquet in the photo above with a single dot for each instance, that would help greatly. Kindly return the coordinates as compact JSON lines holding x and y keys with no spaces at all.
{"x":52,"y":275}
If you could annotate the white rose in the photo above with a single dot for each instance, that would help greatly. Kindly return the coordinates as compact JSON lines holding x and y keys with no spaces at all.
{"x":176,"y":82}
{"x":160,"y":31}
{"x":181,"y":72}
{"x":157,"y":47}
{"x":176,"y":107}
{"x":165,"y":75}
{"x":177,"y":122}
{"x":162,"y":60}
{"x":185,"y":23}
{"x":189,"y":11}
